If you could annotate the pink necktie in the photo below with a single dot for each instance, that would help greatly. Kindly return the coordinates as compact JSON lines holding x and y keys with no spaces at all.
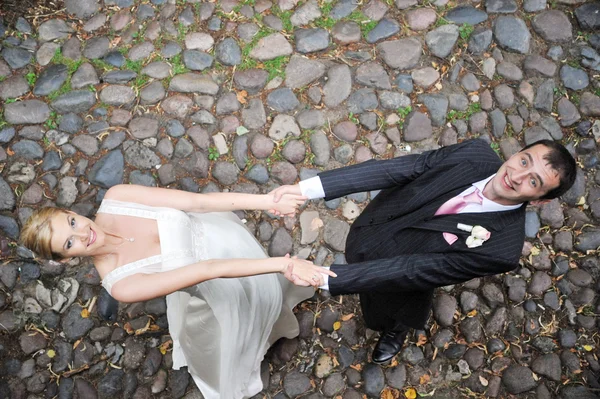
{"x":458,"y":203}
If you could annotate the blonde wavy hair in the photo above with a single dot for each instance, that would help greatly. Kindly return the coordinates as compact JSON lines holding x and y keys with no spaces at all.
{"x":37,"y":232}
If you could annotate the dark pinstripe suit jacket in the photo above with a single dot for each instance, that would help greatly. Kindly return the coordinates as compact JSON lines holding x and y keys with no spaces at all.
{"x":397,"y":245}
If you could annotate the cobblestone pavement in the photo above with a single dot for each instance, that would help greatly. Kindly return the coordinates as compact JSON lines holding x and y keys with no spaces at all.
{"x":246,"y":95}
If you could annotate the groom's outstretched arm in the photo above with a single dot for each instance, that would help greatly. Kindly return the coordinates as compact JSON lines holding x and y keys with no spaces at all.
{"x":414,"y":272}
{"x":381,"y":174}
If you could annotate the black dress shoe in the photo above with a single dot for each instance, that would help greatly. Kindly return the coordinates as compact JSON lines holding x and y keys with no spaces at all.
{"x":388,"y":346}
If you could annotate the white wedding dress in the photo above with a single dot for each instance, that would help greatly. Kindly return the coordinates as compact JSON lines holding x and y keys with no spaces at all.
{"x":221,"y":328}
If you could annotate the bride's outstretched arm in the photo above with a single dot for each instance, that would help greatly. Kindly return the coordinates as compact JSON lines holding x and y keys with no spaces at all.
{"x":141,"y":287}
{"x":210,"y":202}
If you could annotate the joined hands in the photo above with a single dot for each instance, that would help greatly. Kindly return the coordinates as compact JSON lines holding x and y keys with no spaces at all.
{"x":304,"y":273}
{"x":286,"y":194}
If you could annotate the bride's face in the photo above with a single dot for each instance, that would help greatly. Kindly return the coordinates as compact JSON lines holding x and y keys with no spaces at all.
{"x":75,"y":235}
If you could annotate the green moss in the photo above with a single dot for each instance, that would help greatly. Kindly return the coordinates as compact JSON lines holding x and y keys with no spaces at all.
{"x":276,"y":66}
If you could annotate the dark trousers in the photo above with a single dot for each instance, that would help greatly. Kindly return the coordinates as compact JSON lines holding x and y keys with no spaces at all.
{"x":394,"y":311}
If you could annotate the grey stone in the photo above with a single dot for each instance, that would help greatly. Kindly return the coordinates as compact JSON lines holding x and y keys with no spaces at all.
{"x":480,"y":40}
{"x":518,"y":379}
{"x":544,"y":96}
{"x":270,"y":47}
{"x":512,"y":34}
{"x":417,"y":127}
{"x":282,"y":100}
{"x":401,"y":54}
{"x":501,"y":6}
{"x":441,"y":40}
{"x":82,"y":8}
{"x":573,"y":78}
{"x":53,"y":29}
{"x":74,"y":101}
{"x":26,"y":112}
{"x":301,"y":71}
{"x":16,"y":58}
{"x":311,"y":40}
{"x":553,"y":26}
{"x":197,"y":60}
{"x":338,"y":85}
{"x":385,"y":28}
{"x":466,"y":15}
{"x":193,"y":83}
{"x":13,"y":87}
{"x":84,"y":76}
{"x":437,"y":105}
{"x":374,"y":379}
{"x":587,"y":16}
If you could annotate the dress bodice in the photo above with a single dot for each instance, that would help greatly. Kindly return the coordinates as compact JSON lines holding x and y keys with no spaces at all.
{"x":178,"y":236}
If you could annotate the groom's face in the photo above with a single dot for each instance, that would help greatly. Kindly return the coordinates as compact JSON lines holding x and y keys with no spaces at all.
{"x":526,"y":176}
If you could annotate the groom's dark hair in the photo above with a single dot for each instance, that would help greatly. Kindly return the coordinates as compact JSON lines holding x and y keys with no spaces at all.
{"x":561,"y":160}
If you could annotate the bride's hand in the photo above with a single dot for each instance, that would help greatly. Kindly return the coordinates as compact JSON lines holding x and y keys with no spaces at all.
{"x":305,"y":273}
{"x":287,"y":205}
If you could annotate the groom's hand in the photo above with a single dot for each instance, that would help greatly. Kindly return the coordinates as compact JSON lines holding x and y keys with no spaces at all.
{"x":286,"y":189}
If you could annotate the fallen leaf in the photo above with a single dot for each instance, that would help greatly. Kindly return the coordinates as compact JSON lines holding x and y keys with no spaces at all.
{"x":10,"y":152}
{"x":50,"y":353}
{"x":535,"y":251}
{"x":483,"y":381}
{"x":316,"y":224}
{"x":335,"y":361}
{"x":164,"y":347}
{"x":390,"y":393}
{"x":472,"y":313}
{"x":410,"y":393}
{"x":241,"y":96}
{"x":347,"y":317}
{"x":241,"y":130}
{"x":421,"y":340}
{"x":424,"y":379}
{"x":337,"y":325}
{"x":85,"y":313}
{"x":356,"y":367}
{"x":588,"y":348}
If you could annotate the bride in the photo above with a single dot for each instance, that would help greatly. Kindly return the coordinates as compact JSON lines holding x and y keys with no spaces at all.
{"x":226,"y":304}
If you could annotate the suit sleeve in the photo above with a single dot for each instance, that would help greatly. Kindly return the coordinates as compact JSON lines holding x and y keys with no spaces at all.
{"x":381,"y":174}
{"x":414,"y":272}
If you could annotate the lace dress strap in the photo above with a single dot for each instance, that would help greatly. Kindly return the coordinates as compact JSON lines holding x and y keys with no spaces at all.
{"x":128,"y":209}
{"x":149,"y":265}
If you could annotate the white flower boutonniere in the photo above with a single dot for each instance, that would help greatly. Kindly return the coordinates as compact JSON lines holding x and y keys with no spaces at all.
{"x":478,"y":236}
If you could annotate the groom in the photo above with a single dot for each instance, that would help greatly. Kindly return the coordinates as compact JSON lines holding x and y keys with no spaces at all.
{"x":412,"y":237}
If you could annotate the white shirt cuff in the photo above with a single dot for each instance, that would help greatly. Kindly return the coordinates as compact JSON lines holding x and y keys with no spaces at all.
{"x":312,"y":188}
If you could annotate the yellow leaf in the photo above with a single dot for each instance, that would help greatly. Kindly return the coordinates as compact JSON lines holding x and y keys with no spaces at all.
{"x":164,"y":347}
{"x":10,"y":152}
{"x":347,"y":317}
{"x":51,"y":353}
{"x":483,"y":381}
{"x":337,"y":325}
{"x":588,"y":348}
{"x":356,"y":367}
{"x":241,"y":96}
{"x":581,"y":201}
{"x":535,"y":251}
{"x":410,"y":393}
{"x":85,"y":313}
{"x":390,"y":393}
{"x":472,"y":313}
{"x":424,"y":379}
{"x":316,"y":224}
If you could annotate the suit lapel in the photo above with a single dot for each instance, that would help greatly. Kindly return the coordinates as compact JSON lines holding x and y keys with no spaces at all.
{"x":493,"y":221}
